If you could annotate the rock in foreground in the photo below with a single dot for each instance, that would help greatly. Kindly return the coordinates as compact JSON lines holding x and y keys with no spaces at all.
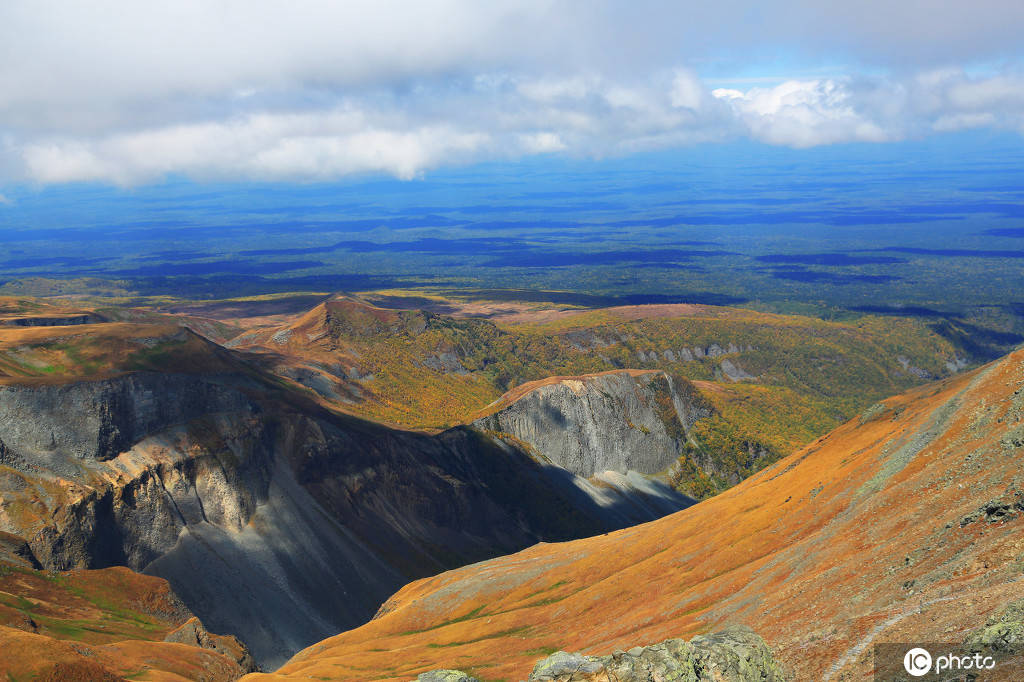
{"x":736,"y":654}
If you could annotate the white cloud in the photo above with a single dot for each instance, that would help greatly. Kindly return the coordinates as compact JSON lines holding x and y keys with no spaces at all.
{"x":505,"y":117}
{"x":804,"y":114}
{"x":816,"y":112}
{"x":687,"y":91}
{"x":266,"y":146}
{"x":541,"y":143}
{"x":128,"y":92}
{"x":5,"y":201}
{"x":953,"y":122}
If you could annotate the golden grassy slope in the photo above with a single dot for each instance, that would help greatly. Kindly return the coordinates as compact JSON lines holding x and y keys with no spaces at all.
{"x":99,"y":625}
{"x":886,"y":529}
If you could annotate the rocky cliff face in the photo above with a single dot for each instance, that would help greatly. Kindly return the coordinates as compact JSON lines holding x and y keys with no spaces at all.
{"x":618,"y":421}
{"x":46,"y":424}
{"x":272,"y":518}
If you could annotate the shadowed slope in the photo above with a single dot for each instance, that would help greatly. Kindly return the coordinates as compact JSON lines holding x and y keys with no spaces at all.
{"x":273,"y":518}
{"x":901,"y":525}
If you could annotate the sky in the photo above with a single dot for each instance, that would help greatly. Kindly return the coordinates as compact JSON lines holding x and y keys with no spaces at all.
{"x":130,"y":93}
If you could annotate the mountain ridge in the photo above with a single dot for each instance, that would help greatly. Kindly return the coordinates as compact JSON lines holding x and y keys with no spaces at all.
{"x":925,"y":482}
{"x":213,"y":464}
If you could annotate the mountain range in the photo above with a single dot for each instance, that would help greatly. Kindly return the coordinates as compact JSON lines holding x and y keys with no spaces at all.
{"x":274,"y":470}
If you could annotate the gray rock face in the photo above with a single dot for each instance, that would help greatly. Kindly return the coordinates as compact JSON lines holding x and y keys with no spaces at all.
{"x":618,"y":421}
{"x":447,"y":362}
{"x":14,"y":550}
{"x":911,"y":369}
{"x":272,"y":519}
{"x":733,"y":372}
{"x":734,"y":655}
{"x":99,"y":419}
{"x":194,"y":633}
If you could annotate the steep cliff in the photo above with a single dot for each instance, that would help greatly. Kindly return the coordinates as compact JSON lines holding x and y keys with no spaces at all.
{"x":619,"y":421}
{"x":903,"y":525}
{"x":633,"y":422}
{"x":273,"y":518}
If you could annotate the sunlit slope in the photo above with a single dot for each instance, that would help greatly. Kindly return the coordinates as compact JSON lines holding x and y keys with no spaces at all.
{"x":102,"y":625}
{"x":97,"y":351}
{"x":776,"y":381}
{"x":904,"y":524}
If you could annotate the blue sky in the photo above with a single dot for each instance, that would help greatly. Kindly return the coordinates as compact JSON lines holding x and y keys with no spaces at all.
{"x":129,"y":93}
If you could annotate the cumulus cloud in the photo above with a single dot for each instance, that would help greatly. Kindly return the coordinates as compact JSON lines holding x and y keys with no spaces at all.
{"x":318,"y":145}
{"x":124,"y":92}
{"x":805,"y":114}
{"x":499,"y":117}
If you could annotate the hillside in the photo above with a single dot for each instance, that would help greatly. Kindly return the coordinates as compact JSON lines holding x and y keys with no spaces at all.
{"x":102,"y":625}
{"x":150,"y":447}
{"x":927,"y":484}
{"x":776,"y":381}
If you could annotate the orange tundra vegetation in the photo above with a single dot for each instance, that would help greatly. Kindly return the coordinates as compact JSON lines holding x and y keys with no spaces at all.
{"x":103,"y":625}
{"x":901,"y":525}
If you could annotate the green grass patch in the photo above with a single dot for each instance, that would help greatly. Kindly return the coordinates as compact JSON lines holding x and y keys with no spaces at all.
{"x":475,"y":613}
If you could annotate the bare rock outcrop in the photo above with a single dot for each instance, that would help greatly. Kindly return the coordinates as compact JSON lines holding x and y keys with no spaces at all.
{"x":737,"y":654}
{"x":615,"y":421}
{"x":99,"y":419}
{"x":193,"y":633}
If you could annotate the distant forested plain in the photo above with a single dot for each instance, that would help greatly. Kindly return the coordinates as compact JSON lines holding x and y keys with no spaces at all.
{"x":932,"y":228}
